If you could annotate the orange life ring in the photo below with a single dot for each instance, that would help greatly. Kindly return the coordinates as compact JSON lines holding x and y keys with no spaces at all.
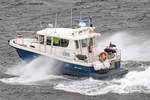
{"x":102,"y":56}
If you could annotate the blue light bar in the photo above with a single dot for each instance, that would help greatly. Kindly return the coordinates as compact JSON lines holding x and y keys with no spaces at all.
{"x":19,"y":33}
{"x":78,"y":21}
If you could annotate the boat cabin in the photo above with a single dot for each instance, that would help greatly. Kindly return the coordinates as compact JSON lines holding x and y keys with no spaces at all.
{"x":74,"y":44}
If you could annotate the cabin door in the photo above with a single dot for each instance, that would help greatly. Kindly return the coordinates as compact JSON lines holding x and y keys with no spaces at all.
{"x":83,"y":46}
{"x":86,"y":46}
{"x":49,"y":45}
{"x":83,"y":49}
{"x":42,"y":46}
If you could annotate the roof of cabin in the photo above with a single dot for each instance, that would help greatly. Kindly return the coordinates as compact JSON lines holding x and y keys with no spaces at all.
{"x":68,"y":33}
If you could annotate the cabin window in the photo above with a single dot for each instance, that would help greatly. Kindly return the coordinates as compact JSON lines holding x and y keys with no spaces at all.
{"x":60,"y":42}
{"x":90,"y":42}
{"x":64,"y":42}
{"x":77,"y":44}
{"x":41,"y":39}
{"x":56,"y":41}
{"x":84,"y":43}
{"x":49,"y":40}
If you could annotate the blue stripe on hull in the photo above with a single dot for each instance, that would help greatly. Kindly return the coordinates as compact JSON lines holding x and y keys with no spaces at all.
{"x":81,"y":71}
{"x":26,"y":55}
{"x":72,"y":69}
{"x":77,"y":70}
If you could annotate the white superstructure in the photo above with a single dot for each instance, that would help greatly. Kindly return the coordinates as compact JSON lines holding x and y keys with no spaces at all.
{"x":74,"y":46}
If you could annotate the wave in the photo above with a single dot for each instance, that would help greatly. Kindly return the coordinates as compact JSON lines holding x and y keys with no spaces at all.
{"x":134,"y":81}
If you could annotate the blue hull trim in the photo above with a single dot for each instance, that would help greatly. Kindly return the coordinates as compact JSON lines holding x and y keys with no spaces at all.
{"x":26,"y":55}
{"x":75,"y":70}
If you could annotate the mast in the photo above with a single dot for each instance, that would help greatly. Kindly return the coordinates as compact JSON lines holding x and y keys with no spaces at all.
{"x":56,"y":21}
{"x":71,"y":17}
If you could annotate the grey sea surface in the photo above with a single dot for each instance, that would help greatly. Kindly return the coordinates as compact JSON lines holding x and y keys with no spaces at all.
{"x":124,"y":22}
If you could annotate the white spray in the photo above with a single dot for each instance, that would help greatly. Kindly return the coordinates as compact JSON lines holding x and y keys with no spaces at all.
{"x":133,"y":46}
{"x":133,"y":82}
{"x":39,"y":69}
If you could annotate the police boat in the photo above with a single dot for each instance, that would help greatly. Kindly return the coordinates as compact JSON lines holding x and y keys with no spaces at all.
{"x":74,"y":48}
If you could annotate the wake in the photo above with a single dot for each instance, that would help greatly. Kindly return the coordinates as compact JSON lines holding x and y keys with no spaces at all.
{"x":134,"y":81}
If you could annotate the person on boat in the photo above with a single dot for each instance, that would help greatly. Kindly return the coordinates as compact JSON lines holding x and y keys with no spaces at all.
{"x":56,"y":41}
{"x":41,"y":39}
{"x":111,"y":50}
{"x":49,"y":40}
{"x":64,"y":42}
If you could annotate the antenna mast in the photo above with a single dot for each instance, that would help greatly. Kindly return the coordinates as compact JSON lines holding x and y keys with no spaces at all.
{"x":56,"y":21}
{"x":71,"y":17}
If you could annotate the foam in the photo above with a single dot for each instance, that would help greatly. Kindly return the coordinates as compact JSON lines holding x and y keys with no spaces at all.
{"x":133,"y":47}
{"x":37,"y":70}
{"x":134,"y":81}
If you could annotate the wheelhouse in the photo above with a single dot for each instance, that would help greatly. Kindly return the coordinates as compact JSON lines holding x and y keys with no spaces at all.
{"x":72,"y":45}
{"x":53,"y":41}
{"x":61,"y":42}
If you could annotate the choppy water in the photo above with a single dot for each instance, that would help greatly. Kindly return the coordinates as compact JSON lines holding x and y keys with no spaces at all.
{"x":41,"y":72}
